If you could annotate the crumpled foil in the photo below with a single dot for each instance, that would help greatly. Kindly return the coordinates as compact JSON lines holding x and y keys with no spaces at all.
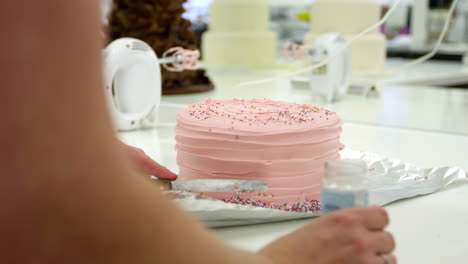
{"x":389,"y":180}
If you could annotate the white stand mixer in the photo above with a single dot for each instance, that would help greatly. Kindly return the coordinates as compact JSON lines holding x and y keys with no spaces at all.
{"x":333,"y":79}
{"x":133,"y":80}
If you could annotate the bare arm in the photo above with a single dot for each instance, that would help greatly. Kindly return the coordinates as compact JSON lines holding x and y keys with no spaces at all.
{"x":74,"y":199}
{"x":68,"y":193}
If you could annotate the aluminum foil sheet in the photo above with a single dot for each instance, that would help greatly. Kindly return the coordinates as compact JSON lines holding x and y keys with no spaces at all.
{"x":389,"y":180}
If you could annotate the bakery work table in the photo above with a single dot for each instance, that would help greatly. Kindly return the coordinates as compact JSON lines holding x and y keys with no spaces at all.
{"x":423,"y":125}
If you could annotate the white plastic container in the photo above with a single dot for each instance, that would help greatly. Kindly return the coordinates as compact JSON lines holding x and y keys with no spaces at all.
{"x":345,"y":185}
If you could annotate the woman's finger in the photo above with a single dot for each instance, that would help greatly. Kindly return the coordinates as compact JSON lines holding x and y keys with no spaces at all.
{"x":372,"y":217}
{"x":147,"y":165}
{"x":381,"y":259}
{"x":155,"y":169}
{"x":383,"y":242}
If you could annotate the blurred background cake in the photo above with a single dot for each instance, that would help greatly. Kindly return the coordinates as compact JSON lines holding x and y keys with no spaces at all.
{"x":238,"y":34}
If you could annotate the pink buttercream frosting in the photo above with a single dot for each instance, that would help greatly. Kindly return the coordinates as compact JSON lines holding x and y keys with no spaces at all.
{"x":283,"y":144}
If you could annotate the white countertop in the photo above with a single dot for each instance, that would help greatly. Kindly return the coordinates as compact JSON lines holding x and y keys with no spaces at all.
{"x":428,"y":229}
{"x":426,"y":126}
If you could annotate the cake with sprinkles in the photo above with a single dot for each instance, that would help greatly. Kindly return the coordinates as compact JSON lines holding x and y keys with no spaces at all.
{"x":283,"y":144}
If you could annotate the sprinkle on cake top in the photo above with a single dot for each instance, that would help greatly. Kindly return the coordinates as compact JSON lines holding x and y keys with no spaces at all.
{"x":258,"y":112}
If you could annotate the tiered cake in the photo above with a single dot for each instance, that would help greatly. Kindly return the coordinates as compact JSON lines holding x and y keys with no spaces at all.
{"x":350,"y":17}
{"x":238,"y":34}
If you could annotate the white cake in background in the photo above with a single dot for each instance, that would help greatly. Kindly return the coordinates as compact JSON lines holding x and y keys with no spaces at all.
{"x":350,"y":17}
{"x":238,"y":34}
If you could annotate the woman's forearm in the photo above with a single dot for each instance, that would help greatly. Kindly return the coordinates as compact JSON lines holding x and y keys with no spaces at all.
{"x":77,"y":199}
{"x":69,"y":193}
{"x":124,"y":221}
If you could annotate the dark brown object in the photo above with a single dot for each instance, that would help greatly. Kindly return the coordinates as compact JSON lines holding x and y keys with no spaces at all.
{"x":160,"y":24}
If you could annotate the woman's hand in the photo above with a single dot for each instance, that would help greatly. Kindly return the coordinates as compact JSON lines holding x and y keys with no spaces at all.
{"x":351,"y":236}
{"x":146,"y":165}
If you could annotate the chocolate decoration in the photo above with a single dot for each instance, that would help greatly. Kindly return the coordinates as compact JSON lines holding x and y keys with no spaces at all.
{"x":160,"y":24}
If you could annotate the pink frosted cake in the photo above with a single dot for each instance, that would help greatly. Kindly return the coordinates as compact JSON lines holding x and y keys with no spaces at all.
{"x":282,"y":144}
